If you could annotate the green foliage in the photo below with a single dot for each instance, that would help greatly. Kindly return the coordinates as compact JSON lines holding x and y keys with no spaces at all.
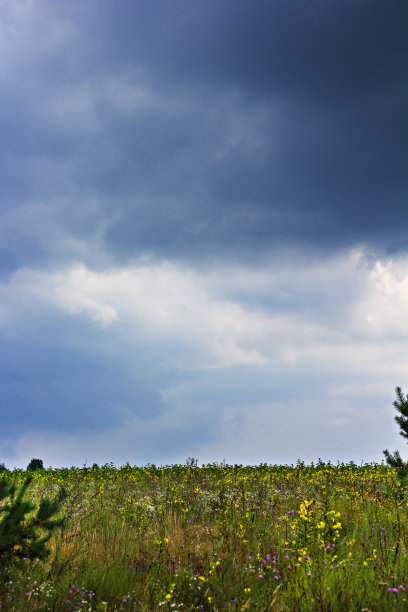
{"x":35,"y":464}
{"x":401,"y":405}
{"x":2,"y":467}
{"x":393,"y":459}
{"x":23,"y":536}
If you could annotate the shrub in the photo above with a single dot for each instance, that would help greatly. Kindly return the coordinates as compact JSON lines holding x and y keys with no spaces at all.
{"x":35,"y":464}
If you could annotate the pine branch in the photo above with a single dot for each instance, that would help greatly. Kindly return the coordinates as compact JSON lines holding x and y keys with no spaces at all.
{"x":25,"y":538}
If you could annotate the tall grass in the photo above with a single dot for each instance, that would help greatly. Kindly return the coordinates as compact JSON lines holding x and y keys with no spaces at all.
{"x":219,"y":537}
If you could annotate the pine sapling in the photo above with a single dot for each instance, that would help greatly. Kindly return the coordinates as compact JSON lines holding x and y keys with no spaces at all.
{"x":22,"y":536}
{"x":401,"y":405}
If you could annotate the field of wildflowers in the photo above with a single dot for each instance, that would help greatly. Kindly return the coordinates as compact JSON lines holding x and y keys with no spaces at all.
{"x":218,"y":537}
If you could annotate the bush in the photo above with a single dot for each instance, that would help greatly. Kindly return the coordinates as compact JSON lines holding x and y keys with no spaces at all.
{"x":35,"y":464}
{"x":21,"y":536}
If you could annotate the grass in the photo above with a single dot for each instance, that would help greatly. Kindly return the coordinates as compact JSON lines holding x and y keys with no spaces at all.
{"x":219,"y":537}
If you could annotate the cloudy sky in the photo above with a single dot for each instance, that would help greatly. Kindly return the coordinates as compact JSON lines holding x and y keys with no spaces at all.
{"x":203,"y":230}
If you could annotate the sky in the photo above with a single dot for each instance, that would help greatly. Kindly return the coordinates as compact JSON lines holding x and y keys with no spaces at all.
{"x":203,"y":230}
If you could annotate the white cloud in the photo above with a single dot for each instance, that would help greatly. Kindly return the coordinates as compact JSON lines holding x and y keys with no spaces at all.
{"x":328,"y":371}
{"x":336,"y":310}
{"x":384,"y":310}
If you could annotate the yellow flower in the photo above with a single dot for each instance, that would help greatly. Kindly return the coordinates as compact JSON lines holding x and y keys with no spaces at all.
{"x":202,"y":578}
{"x":247,"y":590}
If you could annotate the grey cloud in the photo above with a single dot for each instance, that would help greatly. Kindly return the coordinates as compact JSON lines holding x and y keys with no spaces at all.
{"x":43,"y":386}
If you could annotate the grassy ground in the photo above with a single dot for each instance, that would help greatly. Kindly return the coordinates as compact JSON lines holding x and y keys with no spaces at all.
{"x":219,"y":538}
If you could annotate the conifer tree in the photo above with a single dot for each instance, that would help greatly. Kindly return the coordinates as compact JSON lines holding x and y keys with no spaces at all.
{"x":401,"y":405}
{"x":23,"y":536}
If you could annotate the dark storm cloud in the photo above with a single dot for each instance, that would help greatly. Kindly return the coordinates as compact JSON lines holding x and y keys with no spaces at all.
{"x":331,"y":78}
{"x":264,"y":123}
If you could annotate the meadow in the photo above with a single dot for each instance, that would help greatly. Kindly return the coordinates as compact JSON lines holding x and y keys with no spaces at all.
{"x":218,"y":537}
